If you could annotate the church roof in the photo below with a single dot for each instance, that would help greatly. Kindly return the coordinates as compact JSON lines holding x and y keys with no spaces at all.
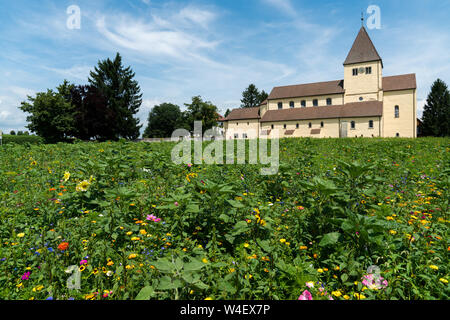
{"x":348,"y":110}
{"x":308,"y":89}
{"x":362,"y":50}
{"x":391,"y":83}
{"x":243,"y":113}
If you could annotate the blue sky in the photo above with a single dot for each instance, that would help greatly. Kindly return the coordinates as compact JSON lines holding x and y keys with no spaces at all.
{"x":180,"y":49}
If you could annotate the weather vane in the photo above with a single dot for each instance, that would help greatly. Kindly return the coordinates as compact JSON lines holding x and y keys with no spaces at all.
{"x":362,"y":18}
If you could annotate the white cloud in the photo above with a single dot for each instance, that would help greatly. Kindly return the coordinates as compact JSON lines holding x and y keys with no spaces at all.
{"x":74,"y":72}
{"x":284,"y":6}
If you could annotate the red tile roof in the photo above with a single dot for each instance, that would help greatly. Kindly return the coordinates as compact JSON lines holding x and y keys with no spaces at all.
{"x":401,"y":82}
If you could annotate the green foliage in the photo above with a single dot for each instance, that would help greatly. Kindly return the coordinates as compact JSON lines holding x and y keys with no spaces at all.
{"x":163,"y":120}
{"x":51,"y":116}
{"x":22,"y":139}
{"x":122,"y":93}
{"x":436,"y":112}
{"x":138,"y":226}
{"x":252,"y":97}
{"x":204,"y":111}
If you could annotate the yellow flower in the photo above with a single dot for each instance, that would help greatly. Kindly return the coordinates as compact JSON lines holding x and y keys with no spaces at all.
{"x":66,"y":176}
{"x":282,"y":240}
{"x":346,"y":297}
{"x":21,"y":235}
{"x":246,"y":245}
{"x":434,"y":267}
{"x":208,"y":298}
{"x":143,"y":232}
{"x":110,"y":263}
{"x":135,"y":239}
{"x":83,"y":186}
{"x":443,"y":280}
{"x":204,"y":260}
{"x":38,"y":288}
{"x":393,"y":232}
{"x":336,"y":293}
{"x":303,"y":247}
{"x":319,"y":270}
{"x":132,"y":256}
{"x":359,"y":296}
{"x":90,"y":296}
{"x":232,"y":270}
{"x":337,"y":268}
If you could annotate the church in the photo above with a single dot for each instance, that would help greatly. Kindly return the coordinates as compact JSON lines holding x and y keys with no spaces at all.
{"x":363,"y":104}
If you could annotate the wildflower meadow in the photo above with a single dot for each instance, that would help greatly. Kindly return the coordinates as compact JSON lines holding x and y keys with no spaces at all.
{"x":343,"y":219}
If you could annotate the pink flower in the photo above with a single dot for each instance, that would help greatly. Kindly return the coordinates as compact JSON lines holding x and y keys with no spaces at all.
{"x":189,"y":165}
{"x":153,"y":218}
{"x":83,"y":262}
{"x":306,"y":295}
{"x":26,"y":275}
{"x":176,"y":204}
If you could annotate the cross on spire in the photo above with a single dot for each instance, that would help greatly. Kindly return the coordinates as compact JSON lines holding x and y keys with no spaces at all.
{"x":362,"y":18}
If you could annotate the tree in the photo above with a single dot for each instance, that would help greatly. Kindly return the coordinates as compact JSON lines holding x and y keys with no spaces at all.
{"x":436,"y":112}
{"x":12,"y":132}
{"x":92,"y":115}
{"x":226,"y":113}
{"x":163,"y":120}
{"x":204,"y":111}
{"x":51,"y":114}
{"x":251,"y":97}
{"x":122,"y":94}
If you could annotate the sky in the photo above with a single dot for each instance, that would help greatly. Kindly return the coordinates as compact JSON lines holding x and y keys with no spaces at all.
{"x":215,"y":49}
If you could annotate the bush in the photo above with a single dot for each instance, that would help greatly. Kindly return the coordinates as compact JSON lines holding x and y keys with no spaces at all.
{"x":21,"y":139}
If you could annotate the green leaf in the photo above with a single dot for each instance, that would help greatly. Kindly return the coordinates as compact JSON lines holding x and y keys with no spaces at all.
{"x":164,"y":265}
{"x":329,"y":239}
{"x":193,"y":265}
{"x":235,"y":204}
{"x":145,"y":293}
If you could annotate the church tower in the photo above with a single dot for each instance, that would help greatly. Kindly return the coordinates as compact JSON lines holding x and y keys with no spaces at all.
{"x":363,"y":76}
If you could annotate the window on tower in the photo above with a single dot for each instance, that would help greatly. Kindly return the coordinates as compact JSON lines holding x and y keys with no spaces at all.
{"x":368,"y":70}
{"x":355,"y":71}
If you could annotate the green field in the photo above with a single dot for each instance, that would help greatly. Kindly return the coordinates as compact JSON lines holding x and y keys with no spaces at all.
{"x":136,"y":225}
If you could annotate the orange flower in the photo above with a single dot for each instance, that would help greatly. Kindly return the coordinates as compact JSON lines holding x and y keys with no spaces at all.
{"x":63,"y":246}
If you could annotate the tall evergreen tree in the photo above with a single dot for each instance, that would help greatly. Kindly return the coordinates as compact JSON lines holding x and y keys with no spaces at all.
{"x":122,"y":94}
{"x":436,"y":112}
{"x":251,"y":97}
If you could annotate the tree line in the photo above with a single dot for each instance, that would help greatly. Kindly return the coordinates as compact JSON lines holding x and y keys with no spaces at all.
{"x":104,"y":109}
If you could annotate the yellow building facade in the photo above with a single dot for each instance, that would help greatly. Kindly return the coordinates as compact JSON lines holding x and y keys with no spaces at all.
{"x":363,"y":104}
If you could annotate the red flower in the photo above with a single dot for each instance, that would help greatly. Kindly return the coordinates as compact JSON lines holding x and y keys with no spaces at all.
{"x":63,"y":246}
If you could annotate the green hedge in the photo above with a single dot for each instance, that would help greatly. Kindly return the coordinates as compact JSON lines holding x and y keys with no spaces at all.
{"x":22,"y":139}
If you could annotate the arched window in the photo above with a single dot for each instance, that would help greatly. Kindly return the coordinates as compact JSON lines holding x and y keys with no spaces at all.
{"x":291,"y":104}
{"x":397,"y":111}
{"x":315,"y":102}
{"x":352,"y":125}
{"x":329,"y":101}
{"x":370,"y":124}
{"x":284,"y":126}
{"x":271,"y":126}
{"x":310,"y":125}
{"x":303,"y":103}
{"x":321,"y":124}
{"x":280,"y":105}
{"x":297,"y":125}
